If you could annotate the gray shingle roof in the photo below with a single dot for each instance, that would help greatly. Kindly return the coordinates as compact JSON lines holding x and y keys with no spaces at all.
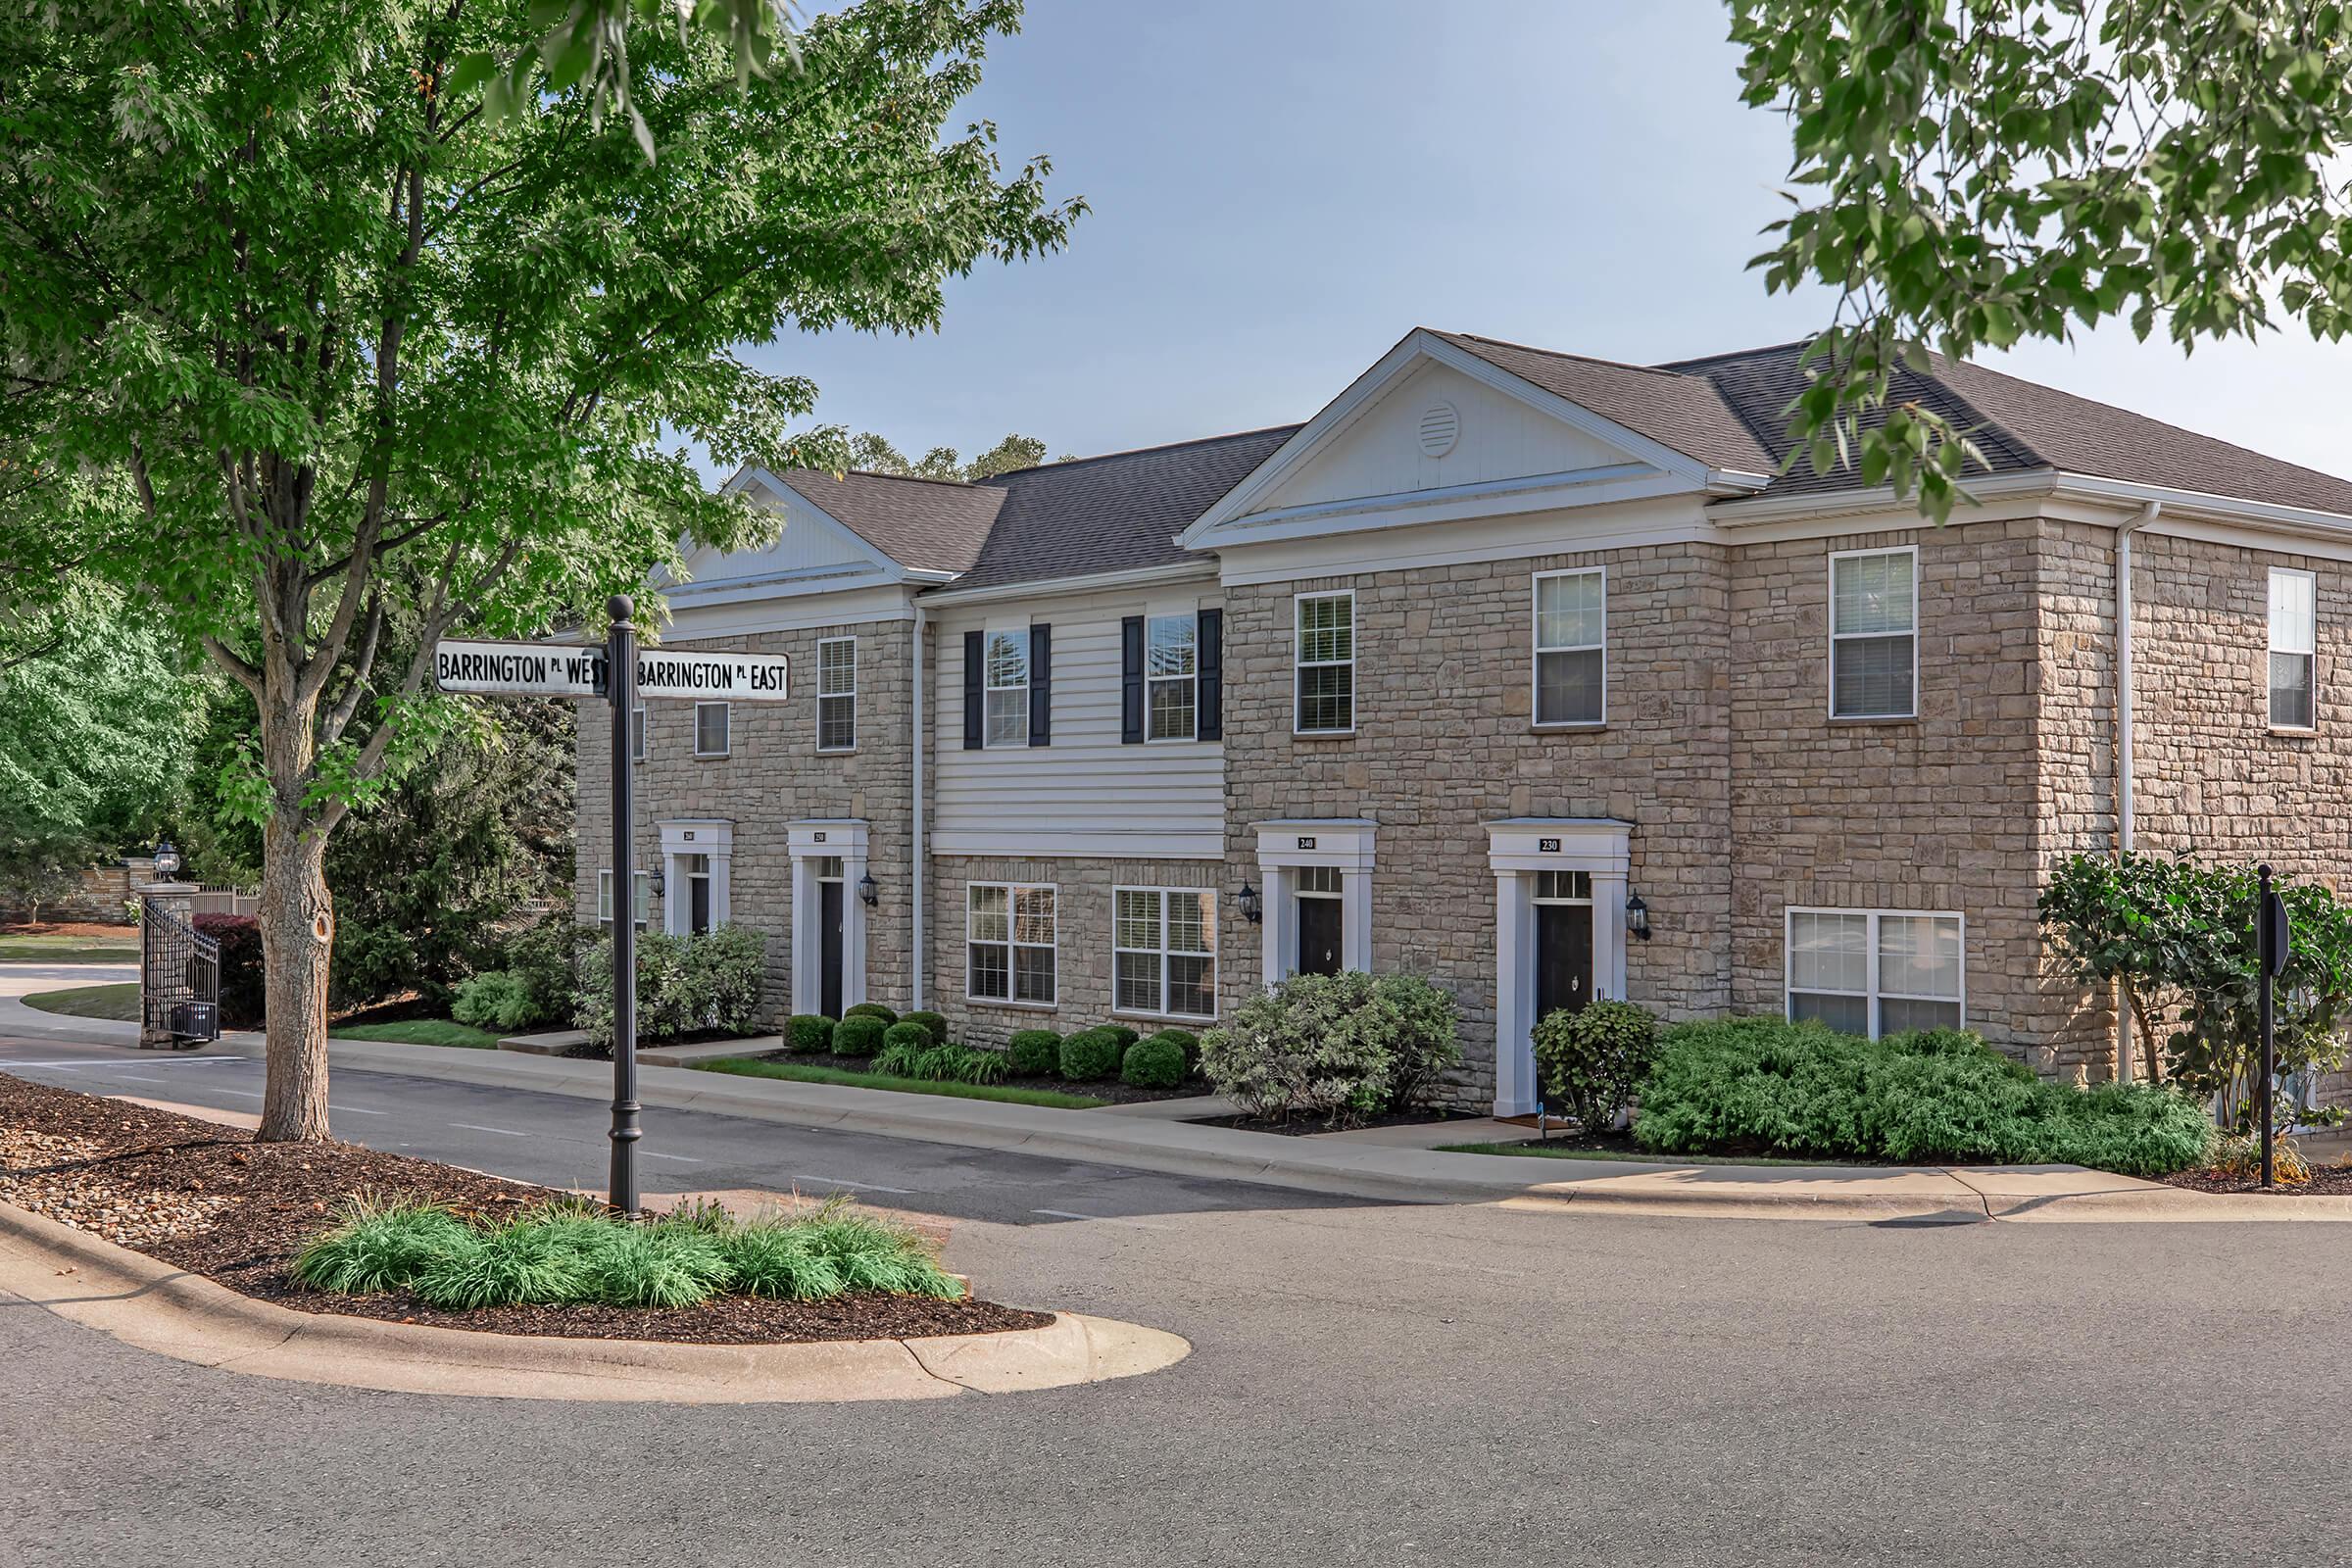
{"x":1686,"y":412}
{"x":928,"y":524}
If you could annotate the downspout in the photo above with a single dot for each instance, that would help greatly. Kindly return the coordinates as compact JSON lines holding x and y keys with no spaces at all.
{"x":2123,"y":742}
{"x":921,"y":949}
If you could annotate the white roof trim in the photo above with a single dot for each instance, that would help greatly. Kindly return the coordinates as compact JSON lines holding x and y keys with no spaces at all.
{"x":1041,"y":587}
{"x":2125,"y":495}
{"x":1417,"y":347}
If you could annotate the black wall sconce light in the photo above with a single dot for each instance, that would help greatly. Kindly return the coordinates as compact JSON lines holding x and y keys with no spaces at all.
{"x":1252,"y":911}
{"x":868,"y":890}
{"x":1636,"y":916}
{"x":658,"y":881}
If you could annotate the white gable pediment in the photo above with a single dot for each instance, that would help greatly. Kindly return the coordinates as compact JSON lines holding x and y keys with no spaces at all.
{"x":811,"y":551}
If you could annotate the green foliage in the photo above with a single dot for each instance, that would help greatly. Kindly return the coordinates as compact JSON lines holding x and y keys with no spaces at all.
{"x":1154,"y":1064}
{"x":1034,"y":1051}
{"x":1335,"y":1048}
{"x":709,"y":981}
{"x":935,"y":1023}
{"x":1589,"y":1059}
{"x":917,"y":1058}
{"x":906,"y":1038}
{"x":859,"y":1034}
{"x":1089,"y":1055}
{"x":243,"y":984}
{"x":494,"y":999}
{"x":874,"y":453}
{"x":1969,"y":176}
{"x":724,"y":974}
{"x":1186,"y":1041}
{"x":1932,"y":1097}
{"x":809,"y":1074}
{"x":544,"y":957}
{"x":1121,"y":1033}
{"x":869,"y":1009}
{"x":569,"y":1254}
{"x":807,"y":1032}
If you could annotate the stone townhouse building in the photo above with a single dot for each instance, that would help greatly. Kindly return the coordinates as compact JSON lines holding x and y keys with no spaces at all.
{"x":1527,"y":671}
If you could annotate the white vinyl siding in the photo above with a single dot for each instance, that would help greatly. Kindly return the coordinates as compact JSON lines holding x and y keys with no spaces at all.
{"x":1876,"y":971}
{"x":1324,"y":675}
{"x":1874,"y":634}
{"x":1171,"y":677}
{"x":1005,"y":669}
{"x":837,"y":694}
{"x":1164,"y":951}
{"x":603,"y":898}
{"x":712,"y":729}
{"x":1571,"y":636}
{"x":1009,"y":942}
{"x":2294,"y":646}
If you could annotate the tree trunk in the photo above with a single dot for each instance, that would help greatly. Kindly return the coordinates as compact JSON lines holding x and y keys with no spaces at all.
{"x":298,"y":923}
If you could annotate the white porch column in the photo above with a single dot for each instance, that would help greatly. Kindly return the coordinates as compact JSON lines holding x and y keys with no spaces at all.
{"x":1517,"y":847}
{"x":1515,"y":1090}
{"x":1289,"y":845}
{"x":712,"y":838}
{"x":810,"y":841}
{"x":1279,"y":941}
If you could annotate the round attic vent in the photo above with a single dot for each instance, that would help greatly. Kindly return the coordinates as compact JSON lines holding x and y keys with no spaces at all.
{"x":1440,"y":427}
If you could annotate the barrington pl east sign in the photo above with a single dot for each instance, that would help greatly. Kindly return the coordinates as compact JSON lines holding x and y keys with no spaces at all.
{"x":559,"y":669}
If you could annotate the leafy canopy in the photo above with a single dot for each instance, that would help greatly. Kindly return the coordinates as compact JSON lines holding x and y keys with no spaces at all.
{"x":1968,"y":175}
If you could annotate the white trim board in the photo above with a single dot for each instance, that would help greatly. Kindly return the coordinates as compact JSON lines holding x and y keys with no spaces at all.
{"x":1076,"y":846}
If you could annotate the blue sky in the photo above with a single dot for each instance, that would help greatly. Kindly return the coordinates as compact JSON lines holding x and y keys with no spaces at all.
{"x":1282,"y":190}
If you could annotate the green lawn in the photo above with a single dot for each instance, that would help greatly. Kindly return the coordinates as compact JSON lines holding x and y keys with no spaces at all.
{"x":420,"y":1032}
{"x":1562,"y":1150}
{"x":754,"y":1068}
{"x":119,"y":1002}
{"x":17,"y":949}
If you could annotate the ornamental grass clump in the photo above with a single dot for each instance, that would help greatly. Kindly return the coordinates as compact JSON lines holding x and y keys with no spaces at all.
{"x":380,"y":1244}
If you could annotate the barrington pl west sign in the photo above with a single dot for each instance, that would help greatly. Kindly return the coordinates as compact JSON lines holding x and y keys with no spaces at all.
{"x":559,"y":669}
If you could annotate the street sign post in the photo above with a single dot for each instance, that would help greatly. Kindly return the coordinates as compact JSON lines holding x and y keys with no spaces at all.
{"x":575,"y":669}
{"x":2274,"y":936}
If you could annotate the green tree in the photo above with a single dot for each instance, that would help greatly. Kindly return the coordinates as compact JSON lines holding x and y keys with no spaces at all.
{"x":875,"y":454}
{"x":1970,"y":175}
{"x":300,"y":335}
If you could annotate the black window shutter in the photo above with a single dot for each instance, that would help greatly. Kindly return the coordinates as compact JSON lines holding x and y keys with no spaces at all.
{"x":1131,"y":680}
{"x":975,"y":703}
{"x":1211,"y":659}
{"x":1041,"y":685}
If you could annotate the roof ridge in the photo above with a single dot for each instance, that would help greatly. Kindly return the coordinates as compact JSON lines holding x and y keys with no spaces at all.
{"x":1137,"y":452}
{"x":877,"y":473}
{"x":1563,"y":354}
{"x":1737,"y":354}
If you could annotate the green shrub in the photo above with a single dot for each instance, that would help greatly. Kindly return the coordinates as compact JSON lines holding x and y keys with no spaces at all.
{"x":493,"y":1000}
{"x":871,"y":1010}
{"x":546,"y":958}
{"x":242,"y":993}
{"x":1932,"y":1097}
{"x":1186,"y":1041}
{"x":859,"y":1034}
{"x":808,"y":1031}
{"x":908,"y":1035}
{"x":1417,"y":1021}
{"x":722,"y":972}
{"x":1153,"y":1063}
{"x":1034,"y":1050}
{"x":1589,"y":1061}
{"x":1120,"y":1032}
{"x":942,"y":1063}
{"x":378,"y":1245}
{"x":1338,"y":1046}
{"x":712,"y":980}
{"x":1089,"y":1055}
{"x":935,"y":1023}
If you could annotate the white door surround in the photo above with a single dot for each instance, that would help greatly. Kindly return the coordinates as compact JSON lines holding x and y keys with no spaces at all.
{"x":811,"y":841}
{"x":684,"y":838}
{"x":1517,"y":849}
{"x":1288,"y":846}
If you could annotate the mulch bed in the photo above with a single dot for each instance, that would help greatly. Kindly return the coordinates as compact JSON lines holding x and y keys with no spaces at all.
{"x":1108,"y":1090}
{"x":120,"y":932}
{"x":2326,"y":1181}
{"x":210,"y":1200}
{"x":1303,"y":1126}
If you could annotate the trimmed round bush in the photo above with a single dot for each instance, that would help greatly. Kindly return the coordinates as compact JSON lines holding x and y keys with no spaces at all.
{"x":908,"y":1035}
{"x":809,"y":1031}
{"x":1034,"y":1050}
{"x":1186,"y":1041}
{"x":1121,"y":1033}
{"x":1089,"y":1055}
{"x":935,"y":1023}
{"x":1591,"y":1059}
{"x":871,"y":1010}
{"x":1153,"y":1063}
{"x":859,"y":1034}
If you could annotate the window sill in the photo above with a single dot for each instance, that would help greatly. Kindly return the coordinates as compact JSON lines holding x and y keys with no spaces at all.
{"x":837,"y":750}
{"x":1172,"y":1019}
{"x":713,"y":756}
{"x":1011,"y":1006}
{"x":1582,"y":726}
{"x":1323,"y":734}
{"x":2293,"y":732}
{"x":1872,"y":719}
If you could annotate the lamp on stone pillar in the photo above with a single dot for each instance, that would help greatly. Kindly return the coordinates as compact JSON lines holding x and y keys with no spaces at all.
{"x":166,"y":860}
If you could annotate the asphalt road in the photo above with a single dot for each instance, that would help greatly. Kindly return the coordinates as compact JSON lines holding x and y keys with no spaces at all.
{"x":1379,"y":1385}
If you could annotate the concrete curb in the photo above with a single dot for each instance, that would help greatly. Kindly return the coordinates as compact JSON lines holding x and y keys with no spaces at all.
{"x":157,"y":1307}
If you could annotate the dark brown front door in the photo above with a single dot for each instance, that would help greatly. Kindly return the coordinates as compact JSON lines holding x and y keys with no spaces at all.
{"x":1318,"y":936}
{"x":1564,"y":956}
{"x":828,"y":921}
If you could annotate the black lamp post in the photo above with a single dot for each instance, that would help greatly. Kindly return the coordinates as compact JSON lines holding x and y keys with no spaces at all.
{"x":1251,"y":910}
{"x":868,"y":890}
{"x":1636,"y":916}
{"x":166,"y":860}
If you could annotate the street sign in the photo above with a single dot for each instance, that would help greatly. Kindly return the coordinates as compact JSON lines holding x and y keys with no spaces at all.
{"x":567,"y":670}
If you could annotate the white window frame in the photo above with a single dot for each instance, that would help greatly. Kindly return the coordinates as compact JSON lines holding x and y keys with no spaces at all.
{"x":1873,"y":995}
{"x":640,"y":733}
{"x":1153,"y":682}
{"x":727,"y":723}
{"x":1534,"y":663}
{"x":1022,"y":639}
{"x":826,"y":695}
{"x":2269,"y":705}
{"x":603,"y":898}
{"x":1163,"y":952}
{"x":1012,"y":947}
{"x":1299,"y":660}
{"x":1836,"y":556}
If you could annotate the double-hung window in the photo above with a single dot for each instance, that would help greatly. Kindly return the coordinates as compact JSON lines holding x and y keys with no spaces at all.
{"x":1875,"y":972}
{"x":2294,"y":643}
{"x":1006,"y":667}
{"x":604,"y":898}
{"x":1874,"y":634}
{"x":837,"y":694}
{"x":1164,"y":951}
{"x":1571,"y":623}
{"x":1008,"y":942}
{"x":1325,"y":672}
{"x":1172,"y":676}
{"x":712,"y":724}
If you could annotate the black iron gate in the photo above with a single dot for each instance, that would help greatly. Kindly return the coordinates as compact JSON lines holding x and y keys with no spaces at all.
{"x":179,"y":976}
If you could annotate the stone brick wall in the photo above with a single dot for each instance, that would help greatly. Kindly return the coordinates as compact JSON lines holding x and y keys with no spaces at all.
{"x":1083,"y":941}
{"x":772,"y":776}
{"x":1445,"y":743}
